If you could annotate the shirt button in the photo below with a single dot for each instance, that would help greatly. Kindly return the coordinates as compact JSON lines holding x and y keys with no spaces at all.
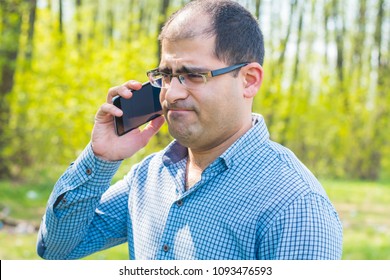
{"x":179,"y":203}
{"x":88,"y":171}
{"x":166,"y":248}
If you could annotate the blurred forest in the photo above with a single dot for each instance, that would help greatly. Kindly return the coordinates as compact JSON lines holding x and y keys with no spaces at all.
{"x":326,"y":90}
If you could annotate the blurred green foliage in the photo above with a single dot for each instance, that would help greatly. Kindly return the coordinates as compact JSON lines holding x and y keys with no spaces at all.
{"x":325,"y":98}
{"x":335,"y":117}
{"x":55,"y":98}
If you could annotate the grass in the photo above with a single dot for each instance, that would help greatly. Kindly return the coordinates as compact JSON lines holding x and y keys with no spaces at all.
{"x":22,"y":247}
{"x":364,"y":209}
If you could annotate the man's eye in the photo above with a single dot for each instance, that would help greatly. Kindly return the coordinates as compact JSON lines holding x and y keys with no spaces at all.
{"x":164,"y":75}
{"x":194,"y":76}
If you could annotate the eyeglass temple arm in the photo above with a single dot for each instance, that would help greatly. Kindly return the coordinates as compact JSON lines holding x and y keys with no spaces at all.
{"x":227,"y":69}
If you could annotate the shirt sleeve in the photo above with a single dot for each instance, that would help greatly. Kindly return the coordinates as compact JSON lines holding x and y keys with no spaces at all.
{"x":308,"y":229}
{"x":84,"y":214}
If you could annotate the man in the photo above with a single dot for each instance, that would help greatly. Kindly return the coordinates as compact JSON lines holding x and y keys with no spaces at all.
{"x":221,"y":190}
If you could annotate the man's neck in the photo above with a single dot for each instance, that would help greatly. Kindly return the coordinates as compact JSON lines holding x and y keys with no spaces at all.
{"x":200,"y":159}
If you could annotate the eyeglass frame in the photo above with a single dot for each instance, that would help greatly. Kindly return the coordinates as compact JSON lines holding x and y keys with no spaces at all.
{"x":205,"y":75}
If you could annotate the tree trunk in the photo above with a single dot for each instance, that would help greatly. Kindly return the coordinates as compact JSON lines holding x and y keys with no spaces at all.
{"x":382,"y":112}
{"x":340,"y":32}
{"x":60,"y":17}
{"x":358,"y":44}
{"x":297,"y":60}
{"x":257,"y":11}
{"x":291,"y":96}
{"x":31,"y":26}
{"x":163,"y":11}
{"x":286,"y":38}
{"x":9,"y":47}
{"x":327,"y":13}
{"x":79,"y":34}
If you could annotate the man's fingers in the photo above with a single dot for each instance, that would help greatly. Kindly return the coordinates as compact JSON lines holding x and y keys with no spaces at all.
{"x":124,"y":90}
{"x":119,"y":90}
{"x":108,"y":110}
{"x":134,"y":85}
{"x":151,"y":129}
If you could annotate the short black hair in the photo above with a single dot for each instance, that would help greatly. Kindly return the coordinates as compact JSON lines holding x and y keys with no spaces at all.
{"x":238,"y":34}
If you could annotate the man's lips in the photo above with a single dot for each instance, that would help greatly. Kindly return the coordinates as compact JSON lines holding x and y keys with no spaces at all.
{"x":178,"y":111}
{"x":177,"y":108}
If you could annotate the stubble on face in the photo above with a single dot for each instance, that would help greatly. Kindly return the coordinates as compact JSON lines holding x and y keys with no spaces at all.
{"x":203,"y":118}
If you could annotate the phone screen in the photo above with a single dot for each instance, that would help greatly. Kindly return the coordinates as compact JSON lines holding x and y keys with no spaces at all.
{"x":141,"y":108}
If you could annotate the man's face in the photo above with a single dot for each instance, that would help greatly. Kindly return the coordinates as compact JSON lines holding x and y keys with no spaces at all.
{"x":202,"y":117}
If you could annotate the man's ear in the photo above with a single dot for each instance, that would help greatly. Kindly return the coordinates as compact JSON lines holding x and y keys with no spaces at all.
{"x":253,"y":78}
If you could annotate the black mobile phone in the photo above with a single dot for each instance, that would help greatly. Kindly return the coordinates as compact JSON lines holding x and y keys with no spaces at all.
{"x":141,"y":108}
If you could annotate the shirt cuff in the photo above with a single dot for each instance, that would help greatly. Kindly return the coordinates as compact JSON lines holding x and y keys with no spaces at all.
{"x":88,"y":166}
{"x":89,"y":170}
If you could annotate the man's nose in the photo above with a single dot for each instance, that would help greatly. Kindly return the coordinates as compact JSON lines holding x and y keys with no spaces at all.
{"x":176,"y":91}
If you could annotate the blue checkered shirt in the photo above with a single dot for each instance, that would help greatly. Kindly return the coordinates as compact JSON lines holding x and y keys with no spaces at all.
{"x":255,"y":201}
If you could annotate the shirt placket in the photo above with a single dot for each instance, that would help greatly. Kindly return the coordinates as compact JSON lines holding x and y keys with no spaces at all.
{"x":166,"y":251}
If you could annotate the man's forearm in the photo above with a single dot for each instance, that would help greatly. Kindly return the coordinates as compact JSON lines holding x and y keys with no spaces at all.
{"x":72,"y":204}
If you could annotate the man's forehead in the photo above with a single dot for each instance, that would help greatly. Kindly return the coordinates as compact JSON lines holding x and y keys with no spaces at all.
{"x":190,"y":52}
{"x":177,"y":64}
{"x":188,"y":24}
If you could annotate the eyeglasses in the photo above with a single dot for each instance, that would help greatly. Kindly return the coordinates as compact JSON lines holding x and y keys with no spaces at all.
{"x":189,"y":80}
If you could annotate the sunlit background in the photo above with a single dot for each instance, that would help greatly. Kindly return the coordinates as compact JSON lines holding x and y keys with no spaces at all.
{"x":326,"y":96}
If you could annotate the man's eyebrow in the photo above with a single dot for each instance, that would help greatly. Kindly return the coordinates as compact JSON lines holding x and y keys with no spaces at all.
{"x":164,"y":69}
{"x":184,"y":69}
{"x":192,"y":69}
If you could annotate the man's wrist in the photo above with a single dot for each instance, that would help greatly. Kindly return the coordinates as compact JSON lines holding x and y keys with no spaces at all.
{"x":101,"y":157}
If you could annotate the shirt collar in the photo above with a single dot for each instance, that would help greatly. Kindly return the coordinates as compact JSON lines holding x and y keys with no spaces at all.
{"x":248,"y":142}
{"x":254,"y":137}
{"x":174,"y":153}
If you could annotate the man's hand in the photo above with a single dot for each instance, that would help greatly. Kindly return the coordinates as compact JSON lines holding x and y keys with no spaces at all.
{"x":105,"y":143}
